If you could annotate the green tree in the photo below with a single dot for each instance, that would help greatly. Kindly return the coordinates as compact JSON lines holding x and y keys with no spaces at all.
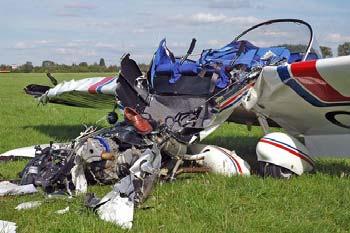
{"x":344,"y":49}
{"x":295,"y":48}
{"x":5,"y":67}
{"x":47,"y":63}
{"x":326,"y":51}
{"x":102,"y":62}
{"x":28,"y":67}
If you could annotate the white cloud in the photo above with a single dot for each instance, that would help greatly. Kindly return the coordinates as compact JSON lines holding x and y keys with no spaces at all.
{"x":262,"y":43}
{"x":76,"y":43}
{"x":232,"y":4}
{"x":242,"y":20}
{"x":142,"y":57}
{"x":336,"y":38}
{"x":76,"y":52}
{"x":23,"y":45}
{"x":276,"y":33}
{"x":73,"y":9}
{"x":209,"y":18}
{"x":105,"y":45}
{"x":178,"y":45}
{"x":64,"y":51}
{"x":82,"y":41}
{"x":42,"y":42}
{"x":30,"y":44}
{"x":113,"y":46}
{"x":214,"y":42}
{"x":67,"y":14}
{"x":79,"y":5}
{"x":139,"y":30}
{"x":72,"y":44}
{"x":102,"y":24}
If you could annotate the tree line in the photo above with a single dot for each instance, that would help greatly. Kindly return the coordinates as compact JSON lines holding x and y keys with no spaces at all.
{"x":50,"y":66}
{"x":342,"y":50}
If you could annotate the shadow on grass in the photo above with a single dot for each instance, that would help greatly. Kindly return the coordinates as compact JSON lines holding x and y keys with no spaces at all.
{"x":243,"y":145}
{"x":58,"y":132}
{"x":333,"y":167}
{"x":245,"y":148}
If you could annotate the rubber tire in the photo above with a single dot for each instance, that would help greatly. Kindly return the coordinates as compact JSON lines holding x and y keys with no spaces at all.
{"x":271,"y":170}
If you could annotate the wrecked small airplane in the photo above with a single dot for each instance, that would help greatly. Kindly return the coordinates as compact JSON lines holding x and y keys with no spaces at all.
{"x":268,"y":75}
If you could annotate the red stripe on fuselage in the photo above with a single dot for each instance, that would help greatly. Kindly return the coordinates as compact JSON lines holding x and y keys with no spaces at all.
{"x":93,"y":88}
{"x":307,"y":75}
{"x":235,"y":162}
{"x":233,"y":98}
{"x":303,"y":157}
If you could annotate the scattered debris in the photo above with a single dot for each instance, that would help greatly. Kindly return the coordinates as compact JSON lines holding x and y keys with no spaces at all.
{"x":63,"y":211}
{"x":118,"y":210}
{"x":7,"y":227}
{"x":28,"y":205}
{"x":7,"y":188}
{"x":60,"y":194}
{"x":118,"y":205}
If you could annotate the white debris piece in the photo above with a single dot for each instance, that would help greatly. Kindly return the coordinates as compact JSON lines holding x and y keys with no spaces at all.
{"x":63,"y":211}
{"x":7,"y":227}
{"x":149,"y":162}
{"x":78,"y":176}
{"x":28,"y":205}
{"x":119,"y":210}
{"x":268,"y":55}
{"x":7,"y":188}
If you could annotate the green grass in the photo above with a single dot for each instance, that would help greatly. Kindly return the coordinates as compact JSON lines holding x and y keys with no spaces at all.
{"x":317,"y":202}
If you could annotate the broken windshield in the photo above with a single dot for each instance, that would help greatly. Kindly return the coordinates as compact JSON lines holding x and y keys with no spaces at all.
{"x":295,"y":35}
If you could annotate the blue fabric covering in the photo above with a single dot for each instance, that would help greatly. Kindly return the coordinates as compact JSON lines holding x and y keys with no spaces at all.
{"x":163,"y":63}
{"x":226,"y":54}
{"x":246,"y":58}
{"x":312,"y":56}
{"x":176,"y":75}
{"x":219,"y":61}
{"x":224,"y":78}
{"x":160,"y":57}
{"x":295,"y":57}
{"x":185,"y":68}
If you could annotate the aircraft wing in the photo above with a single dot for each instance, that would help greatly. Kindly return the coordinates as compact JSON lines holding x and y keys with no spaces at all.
{"x":97,"y":92}
{"x":310,"y":98}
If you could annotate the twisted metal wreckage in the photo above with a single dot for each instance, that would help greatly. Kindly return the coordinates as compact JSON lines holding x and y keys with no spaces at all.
{"x":181,"y":101}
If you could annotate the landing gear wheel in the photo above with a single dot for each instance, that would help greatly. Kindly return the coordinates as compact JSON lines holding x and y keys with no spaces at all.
{"x":268,"y":169}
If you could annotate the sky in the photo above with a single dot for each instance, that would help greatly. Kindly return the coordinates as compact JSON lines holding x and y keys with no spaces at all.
{"x":69,"y":31}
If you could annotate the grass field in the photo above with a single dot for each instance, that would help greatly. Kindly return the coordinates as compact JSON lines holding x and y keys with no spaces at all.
{"x":317,"y":202}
